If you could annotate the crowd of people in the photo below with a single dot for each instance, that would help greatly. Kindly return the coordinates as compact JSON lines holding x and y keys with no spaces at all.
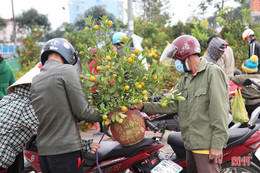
{"x":49,"y":100}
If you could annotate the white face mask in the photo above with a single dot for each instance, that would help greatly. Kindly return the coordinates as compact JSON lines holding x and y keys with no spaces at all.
{"x":180,"y":67}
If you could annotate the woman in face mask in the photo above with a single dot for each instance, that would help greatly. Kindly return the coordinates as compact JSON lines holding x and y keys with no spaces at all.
{"x":203,"y":115}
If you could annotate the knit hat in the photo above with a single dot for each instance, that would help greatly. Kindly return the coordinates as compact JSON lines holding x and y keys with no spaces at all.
{"x":251,"y":65}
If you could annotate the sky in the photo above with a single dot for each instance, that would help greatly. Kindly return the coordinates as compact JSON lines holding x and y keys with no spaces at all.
{"x":52,"y":8}
{"x":57,"y":11}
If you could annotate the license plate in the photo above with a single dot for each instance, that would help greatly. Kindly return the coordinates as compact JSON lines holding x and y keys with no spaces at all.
{"x":166,"y":166}
{"x":257,"y":154}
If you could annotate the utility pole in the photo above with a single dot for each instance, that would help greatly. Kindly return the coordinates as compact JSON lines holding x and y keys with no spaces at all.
{"x":130,"y":18}
{"x":14,"y":27}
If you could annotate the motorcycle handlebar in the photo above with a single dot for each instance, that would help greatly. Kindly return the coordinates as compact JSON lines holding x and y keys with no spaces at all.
{"x":256,"y":84}
{"x":245,"y":93}
{"x":151,"y":125}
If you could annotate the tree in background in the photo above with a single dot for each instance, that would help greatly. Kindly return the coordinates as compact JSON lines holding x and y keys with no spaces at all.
{"x":97,"y":12}
{"x":3,"y":23}
{"x":31,"y":18}
{"x":232,"y":30}
{"x":30,"y":52}
{"x":59,"y":32}
{"x":155,"y":11}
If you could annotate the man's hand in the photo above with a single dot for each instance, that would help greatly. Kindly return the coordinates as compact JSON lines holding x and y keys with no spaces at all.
{"x":138,"y":106}
{"x":216,"y":155}
{"x":94,"y":147}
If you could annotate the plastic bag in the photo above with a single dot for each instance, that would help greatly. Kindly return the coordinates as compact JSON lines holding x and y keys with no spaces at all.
{"x":239,"y":112}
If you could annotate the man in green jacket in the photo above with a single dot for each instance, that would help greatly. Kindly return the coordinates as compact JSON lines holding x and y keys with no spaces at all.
{"x":203,"y":115}
{"x":59,"y":103}
{"x":6,"y":77}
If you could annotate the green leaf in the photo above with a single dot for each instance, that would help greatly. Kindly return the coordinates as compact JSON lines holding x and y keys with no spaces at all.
{"x":111,"y":90}
{"x":117,"y":118}
{"x":113,"y":117}
{"x":120,"y":79}
{"x":122,"y":115}
{"x":180,"y":98}
{"x":81,"y":123}
{"x":102,"y":106}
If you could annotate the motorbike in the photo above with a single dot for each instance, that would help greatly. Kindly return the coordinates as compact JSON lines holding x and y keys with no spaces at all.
{"x":255,"y":116}
{"x":243,"y":143}
{"x":242,"y":153}
{"x":112,"y":157}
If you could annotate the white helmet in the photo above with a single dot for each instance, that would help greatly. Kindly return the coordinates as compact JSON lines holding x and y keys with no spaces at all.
{"x":247,"y":33}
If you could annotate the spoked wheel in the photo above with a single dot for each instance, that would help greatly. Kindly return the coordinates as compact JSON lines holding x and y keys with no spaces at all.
{"x":227,"y":168}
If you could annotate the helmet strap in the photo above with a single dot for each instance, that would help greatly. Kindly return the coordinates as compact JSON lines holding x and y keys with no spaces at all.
{"x":184,"y":66}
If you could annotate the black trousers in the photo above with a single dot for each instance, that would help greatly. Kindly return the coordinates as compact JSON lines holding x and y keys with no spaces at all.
{"x":61,"y":163}
{"x":18,"y":165}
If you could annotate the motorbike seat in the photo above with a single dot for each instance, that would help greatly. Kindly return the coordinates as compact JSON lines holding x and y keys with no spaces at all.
{"x":238,"y":136}
{"x":110,"y":149}
{"x":235,"y":134}
{"x":175,"y":140}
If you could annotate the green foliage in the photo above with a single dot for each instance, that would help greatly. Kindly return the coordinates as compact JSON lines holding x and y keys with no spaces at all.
{"x":197,"y":28}
{"x":30,"y":51}
{"x":155,"y":11}
{"x":201,"y":31}
{"x":153,"y":38}
{"x":121,"y":81}
{"x":25,"y":69}
{"x":232,"y":30}
{"x":97,"y":12}
{"x":30,"y":18}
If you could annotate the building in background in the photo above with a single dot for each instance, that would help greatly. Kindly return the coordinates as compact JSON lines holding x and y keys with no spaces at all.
{"x":7,"y":33}
{"x":7,"y":47}
{"x":78,"y":7}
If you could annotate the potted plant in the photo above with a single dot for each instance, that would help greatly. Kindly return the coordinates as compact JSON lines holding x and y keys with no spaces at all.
{"x":119,"y":82}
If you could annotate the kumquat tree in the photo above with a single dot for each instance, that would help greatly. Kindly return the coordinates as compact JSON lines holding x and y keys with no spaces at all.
{"x":120,"y":81}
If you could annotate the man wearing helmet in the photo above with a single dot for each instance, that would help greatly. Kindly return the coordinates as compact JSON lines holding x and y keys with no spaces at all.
{"x":203,"y":115}
{"x":59,"y":103}
{"x":254,"y":48}
{"x":117,"y":42}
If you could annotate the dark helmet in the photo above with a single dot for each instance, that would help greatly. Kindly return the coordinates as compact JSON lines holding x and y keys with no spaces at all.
{"x":237,"y":72}
{"x":62,"y":47}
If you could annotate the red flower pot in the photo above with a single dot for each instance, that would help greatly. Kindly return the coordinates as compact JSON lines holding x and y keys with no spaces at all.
{"x":131,"y":131}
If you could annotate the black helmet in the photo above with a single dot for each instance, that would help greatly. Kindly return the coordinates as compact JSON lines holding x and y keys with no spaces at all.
{"x":62,"y":47}
{"x":237,"y":72}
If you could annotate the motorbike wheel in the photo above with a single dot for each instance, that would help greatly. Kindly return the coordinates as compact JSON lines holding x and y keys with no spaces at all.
{"x":228,"y":168}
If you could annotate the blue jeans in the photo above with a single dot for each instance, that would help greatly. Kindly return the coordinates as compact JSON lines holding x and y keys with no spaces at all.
{"x":65,"y":163}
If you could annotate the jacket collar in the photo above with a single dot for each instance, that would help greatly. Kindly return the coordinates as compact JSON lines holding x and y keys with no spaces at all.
{"x":252,"y":41}
{"x":202,"y":67}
